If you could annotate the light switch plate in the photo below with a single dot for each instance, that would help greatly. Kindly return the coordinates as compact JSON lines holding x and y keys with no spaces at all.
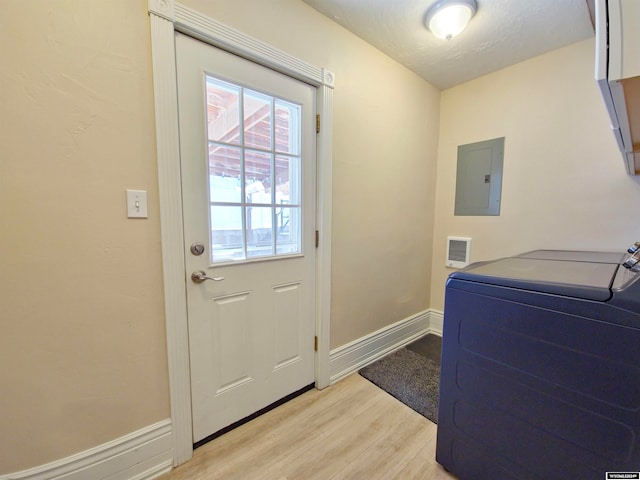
{"x":137,"y":204}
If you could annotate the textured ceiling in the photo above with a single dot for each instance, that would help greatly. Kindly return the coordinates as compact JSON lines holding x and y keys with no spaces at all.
{"x":502,"y":33}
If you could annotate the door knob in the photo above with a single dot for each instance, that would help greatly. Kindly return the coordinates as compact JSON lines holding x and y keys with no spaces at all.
{"x":199,"y":276}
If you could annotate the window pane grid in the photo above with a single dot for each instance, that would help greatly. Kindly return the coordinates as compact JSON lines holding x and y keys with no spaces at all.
{"x":254,"y":174}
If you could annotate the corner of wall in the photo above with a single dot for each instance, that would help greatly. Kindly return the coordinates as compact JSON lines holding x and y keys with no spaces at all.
{"x":355,"y":355}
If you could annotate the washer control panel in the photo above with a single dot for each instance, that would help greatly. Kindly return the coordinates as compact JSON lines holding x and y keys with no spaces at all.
{"x":632,"y":260}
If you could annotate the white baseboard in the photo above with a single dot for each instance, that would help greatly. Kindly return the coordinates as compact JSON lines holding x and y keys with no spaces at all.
{"x":436,"y":322}
{"x":141,"y":455}
{"x":351,"y":357}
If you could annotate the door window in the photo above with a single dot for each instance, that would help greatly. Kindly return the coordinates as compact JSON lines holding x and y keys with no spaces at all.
{"x":254,"y":164}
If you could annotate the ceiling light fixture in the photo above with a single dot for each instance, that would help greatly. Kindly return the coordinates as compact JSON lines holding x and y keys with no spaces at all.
{"x":447,"y":18}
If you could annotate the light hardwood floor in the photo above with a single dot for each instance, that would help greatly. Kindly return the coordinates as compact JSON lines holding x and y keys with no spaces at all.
{"x":351,"y":430}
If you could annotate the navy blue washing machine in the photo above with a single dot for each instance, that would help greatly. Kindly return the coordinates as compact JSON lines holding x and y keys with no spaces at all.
{"x":540,"y":376}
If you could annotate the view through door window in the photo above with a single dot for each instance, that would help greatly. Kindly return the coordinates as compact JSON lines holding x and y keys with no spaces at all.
{"x":254,"y":173}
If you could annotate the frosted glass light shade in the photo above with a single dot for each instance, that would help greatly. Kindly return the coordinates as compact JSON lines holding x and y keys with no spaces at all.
{"x":447,"y":18}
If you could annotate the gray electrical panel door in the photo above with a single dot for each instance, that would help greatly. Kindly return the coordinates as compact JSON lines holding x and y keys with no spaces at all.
{"x":479,"y":178}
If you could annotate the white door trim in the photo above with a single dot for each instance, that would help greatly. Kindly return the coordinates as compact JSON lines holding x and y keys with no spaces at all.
{"x":166,"y":18}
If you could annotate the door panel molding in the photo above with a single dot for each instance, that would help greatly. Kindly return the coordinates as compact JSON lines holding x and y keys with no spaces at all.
{"x":166,"y":18}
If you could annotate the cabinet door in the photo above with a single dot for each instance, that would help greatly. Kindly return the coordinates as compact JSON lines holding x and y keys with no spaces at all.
{"x":624,"y":39}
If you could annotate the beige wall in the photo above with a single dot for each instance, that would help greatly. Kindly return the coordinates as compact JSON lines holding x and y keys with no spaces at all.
{"x":385,"y":137}
{"x":82,"y":350}
{"x":564,"y":182}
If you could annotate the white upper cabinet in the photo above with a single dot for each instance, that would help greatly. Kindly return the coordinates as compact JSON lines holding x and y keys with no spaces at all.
{"x":618,"y":73}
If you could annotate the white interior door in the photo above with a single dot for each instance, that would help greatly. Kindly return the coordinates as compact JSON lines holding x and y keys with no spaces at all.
{"x":247,"y":148}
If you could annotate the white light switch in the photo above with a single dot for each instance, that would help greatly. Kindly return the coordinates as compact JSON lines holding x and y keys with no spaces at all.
{"x":137,"y":204}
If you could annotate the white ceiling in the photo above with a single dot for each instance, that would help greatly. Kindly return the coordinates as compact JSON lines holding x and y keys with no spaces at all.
{"x":502,"y":33}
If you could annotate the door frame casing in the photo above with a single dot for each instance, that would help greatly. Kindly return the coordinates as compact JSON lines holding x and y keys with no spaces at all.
{"x":166,"y":18}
